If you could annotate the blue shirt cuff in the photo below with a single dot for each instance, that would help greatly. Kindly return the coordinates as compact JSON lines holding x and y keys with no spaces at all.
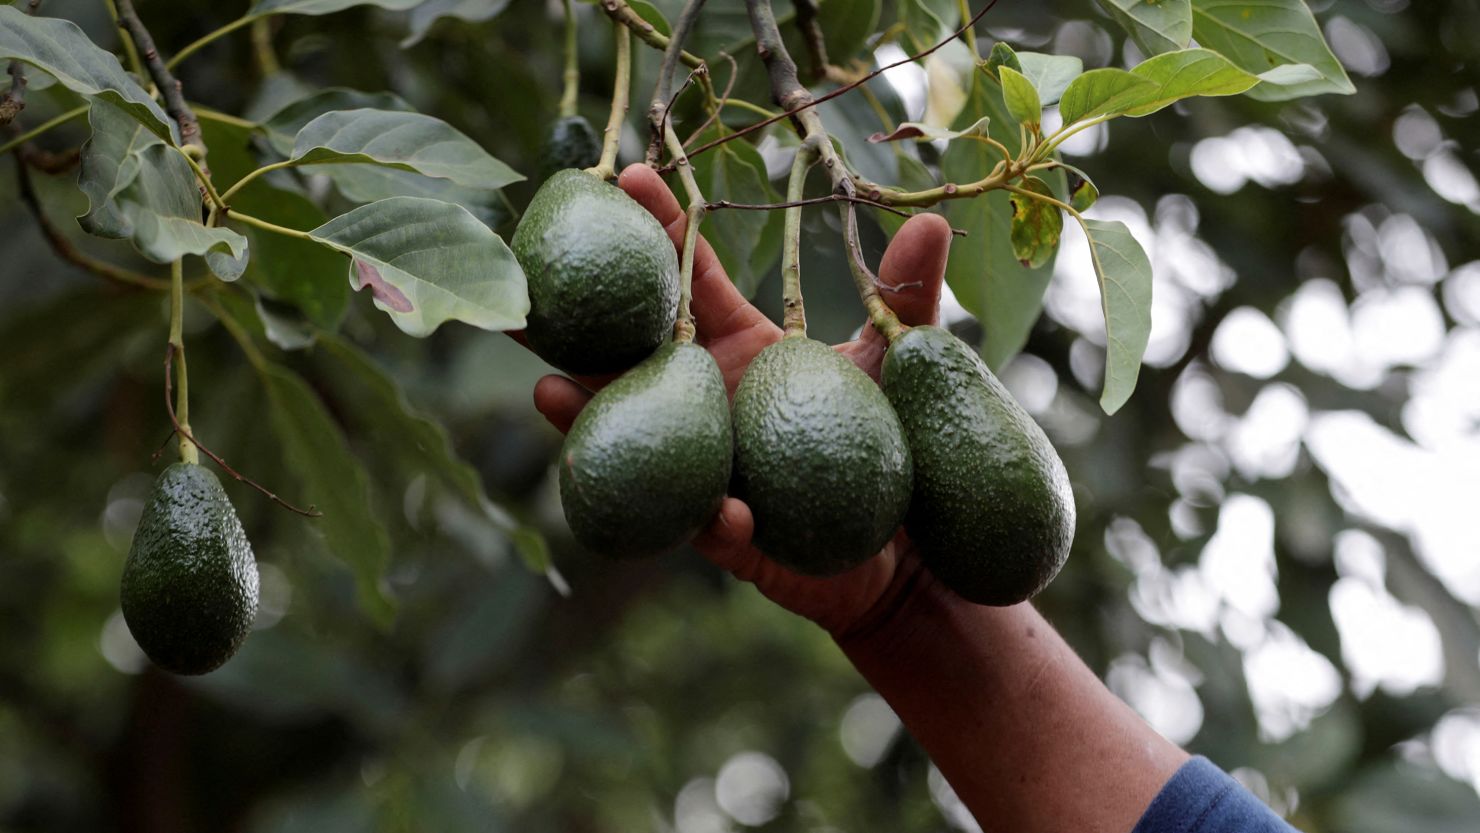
{"x":1201,"y":798}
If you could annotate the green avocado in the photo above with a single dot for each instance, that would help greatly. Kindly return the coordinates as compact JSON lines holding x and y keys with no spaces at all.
{"x":820,"y":458}
{"x":572,"y":143}
{"x":992,"y":513}
{"x":646,"y":464}
{"x":189,"y":589}
{"x":603,"y":276}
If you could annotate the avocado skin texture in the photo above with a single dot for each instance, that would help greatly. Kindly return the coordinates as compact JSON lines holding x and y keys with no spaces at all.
{"x":603,"y":276}
{"x":571,"y":143}
{"x":993,"y":512}
{"x":820,"y":458}
{"x":189,"y":591}
{"x":645,"y":465}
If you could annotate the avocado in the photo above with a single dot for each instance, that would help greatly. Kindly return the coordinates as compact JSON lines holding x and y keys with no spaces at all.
{"x":820,"y":458}
{"x":646,"y":464}
{"x":603,"y":276}
{"x":189,"y":590}
{"x":571,"y":143}
{"x":992,"y":513}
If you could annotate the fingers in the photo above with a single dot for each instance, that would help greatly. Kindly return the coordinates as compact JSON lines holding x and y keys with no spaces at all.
{"x":910,"y":275}
{"x":719,"y":309}
{"x":726,"y":541}
{"x":560,"y":400}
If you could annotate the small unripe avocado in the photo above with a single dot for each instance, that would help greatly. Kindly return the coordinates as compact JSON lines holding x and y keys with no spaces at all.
{"x":603,"y":276}
{"x":647,"y":462}
{"x":820,"y":458}
{"x":992,"y":513}
{"x":189,"y":591}
{"x":572,"y":143}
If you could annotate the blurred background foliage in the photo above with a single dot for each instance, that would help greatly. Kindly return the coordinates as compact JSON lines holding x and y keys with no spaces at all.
{"x":1276,"y":561}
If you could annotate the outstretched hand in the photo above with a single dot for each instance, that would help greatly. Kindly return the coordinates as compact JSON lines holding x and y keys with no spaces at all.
{"x":734,"y":332}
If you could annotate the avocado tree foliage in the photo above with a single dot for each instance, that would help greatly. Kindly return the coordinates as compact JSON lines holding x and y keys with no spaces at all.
{"x":417,"y":237}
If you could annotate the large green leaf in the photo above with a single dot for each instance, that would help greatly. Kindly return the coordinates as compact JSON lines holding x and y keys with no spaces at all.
{"x":406,"y":141}
{"x":468,"y":11}
{"x":426,"y":262}
{"x":143,"y":190}
{"x":422,"y":444}
{"x":982,"y":272}
{"x":263,"y":8}
{"x":1050,"y":74}
{"x":368,"y":183}
{"x":927,"y":21}
{"x":1124,"y":273}
{"x":60,"y":49}
{"x":1163,"y":80}
{"x":1270,"y":33}
{"x":296,"y":271}
{"x":335,"y":482}
{"x":846,"y":26}
{"x":736,"y":172}
{"x":1156,"y":25}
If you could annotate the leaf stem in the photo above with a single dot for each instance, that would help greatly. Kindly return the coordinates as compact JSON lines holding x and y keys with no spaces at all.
{"x":251,"y":175}
{"x":794,"y":317}
{"x":683,"y":328}
{"x":969,"y":30}
{"x":267,"y":61}
{"x":621,"y":13}
{"x":181,"y":416}
{"x":129,"y":50}
{"x":216,"y":115}
{"x":606,"y":168}
{"x":204,"y":177}
{"x":1063,"y":134}
{"x":206,"y":39}
{"x":54,"y":121}
{"x":264,"y":225}
{"x":572,"y":76}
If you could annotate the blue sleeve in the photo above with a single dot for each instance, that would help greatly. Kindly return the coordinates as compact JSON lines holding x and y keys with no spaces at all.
{"x":1201,"y":798}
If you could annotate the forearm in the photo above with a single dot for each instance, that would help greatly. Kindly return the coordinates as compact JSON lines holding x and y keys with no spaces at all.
{"x":1028,"y":736}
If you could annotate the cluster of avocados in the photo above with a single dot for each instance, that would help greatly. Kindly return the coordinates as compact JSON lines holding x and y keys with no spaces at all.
{"x":829,"y":462}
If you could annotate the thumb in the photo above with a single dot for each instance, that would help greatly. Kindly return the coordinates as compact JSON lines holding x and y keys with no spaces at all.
{"x":913,"y":267}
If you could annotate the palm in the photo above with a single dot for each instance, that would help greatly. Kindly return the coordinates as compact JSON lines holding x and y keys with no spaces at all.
{"x":735,"y":332}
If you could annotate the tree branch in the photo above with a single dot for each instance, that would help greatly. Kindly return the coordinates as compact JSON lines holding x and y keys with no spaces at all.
{"x":663,"y":89}
{"x":14,"y":100}
{"x":623,"y":14}
{"x":812,"y":33}
{"x":169,"y":86}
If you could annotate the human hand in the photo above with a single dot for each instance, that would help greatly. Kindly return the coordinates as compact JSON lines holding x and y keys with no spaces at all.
{"x":734,"y":332}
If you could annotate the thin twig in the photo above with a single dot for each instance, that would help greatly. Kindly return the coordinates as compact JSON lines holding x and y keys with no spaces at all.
{"x":813,"y":102}
{"x":14,"y":100}
{"x":724,"y":99}
{"x":662,"y":100}
{"x":668,"y":109}
{"x":64,"y":248}
{"x":169,"y":86}
{"x":619,"y":11}
{"x":812,"y":34}
{"x":829,"y":198}
{"x":169,"y":367}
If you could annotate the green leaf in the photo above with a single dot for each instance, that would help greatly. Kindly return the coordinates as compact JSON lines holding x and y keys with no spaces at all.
{"x":1124,"y":273}
{"x":1100,"y":91}
{"x":406,"y":141}
{"x":422,"y":444}
{"x":927,"y":21}
{"x":925,"y":133}
{"x":334,"y":481}
{"x":1167,"y":78}
{"x":846,"y":26}
{"x":1049,"y":74}
{"x":426,"y":262}
{"x":736,"y":172}
{"x":60,"y":49}
{"x":982,"y":271}
{"x":300,"y":272}
{"x":468,"y":11}
{"x":1036,"y":225}
{"x":1157,"y":26}
{"x":368,"y":183}
{"x":1264,"y":35}
{"x":1002,"y":55}
{"x":1021,"y":99}
{"x":1081,"y":189}
{"x":143,"y":190}
{"x":263,"y":8}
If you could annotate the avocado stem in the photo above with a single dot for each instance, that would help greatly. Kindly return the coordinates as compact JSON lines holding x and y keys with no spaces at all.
{"x":794,"y":98}
{"x":572,"y":75}
{"x":794,"y":320}
{"x":188,"y":452}
{"x":663,"y":89}
{"x":683,"y":328}
{"x":606,"y":168}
